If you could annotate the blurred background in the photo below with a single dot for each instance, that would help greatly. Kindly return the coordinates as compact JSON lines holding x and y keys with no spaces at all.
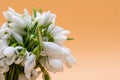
{"x":95,"y":26}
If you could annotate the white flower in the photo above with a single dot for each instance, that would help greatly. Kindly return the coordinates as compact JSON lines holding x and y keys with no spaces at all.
{"x":10,"y":13}
{"x":70,"y":61}
{"x":10,"y":60}
{"x":18,"y":21}
{"x":3,"y":44}
{"x":5,"y":33}
{"x":29,"y":65}
{"x":4,"y":25}
{"x":68,"y":58}
{"x":58,"y":33}
{"x":54,"y":64}
{"x":17,"y":37}
{"x":52,"y":49}
{"x":16,"y":29}
{"x":45,"y":18}
{"x":9,"y":51}
{"x":27,"y":18}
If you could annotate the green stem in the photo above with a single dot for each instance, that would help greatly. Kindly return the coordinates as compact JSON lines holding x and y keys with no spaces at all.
{"x":12,"y":74}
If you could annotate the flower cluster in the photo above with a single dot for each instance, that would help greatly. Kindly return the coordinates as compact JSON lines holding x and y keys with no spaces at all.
{"x":30,"y":42}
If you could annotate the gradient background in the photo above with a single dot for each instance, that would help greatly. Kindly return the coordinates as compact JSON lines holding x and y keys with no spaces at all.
{"x":95,"y":25}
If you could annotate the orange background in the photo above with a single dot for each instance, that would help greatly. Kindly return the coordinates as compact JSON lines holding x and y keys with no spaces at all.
{"x":95,"y":25}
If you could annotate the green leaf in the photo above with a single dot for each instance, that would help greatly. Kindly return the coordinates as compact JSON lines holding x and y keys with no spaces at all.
{"x":70,"y":38}
{"x":34,"y":28}
{"x":14,"y":44}
{"x":36,"y":50}
{"x":39,"y":41}
{"x":34,"y":13}
{"x":23,"y":52}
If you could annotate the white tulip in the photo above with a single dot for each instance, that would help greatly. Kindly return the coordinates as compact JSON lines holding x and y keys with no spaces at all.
{"x":9,"y":51}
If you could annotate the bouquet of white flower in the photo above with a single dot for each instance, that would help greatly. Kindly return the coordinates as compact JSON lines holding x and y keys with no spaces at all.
{"x":31,"y":42}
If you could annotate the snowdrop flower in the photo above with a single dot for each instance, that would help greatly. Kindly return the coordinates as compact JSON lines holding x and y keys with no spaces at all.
{"x":29,"y":65}
{"x":4,"y":25}
{"x":10,"y":60}
{"x":9,"y":51}
{"x":54,"y":64}
{"x":10,"y":13}
{"x":19,"y":40}
{"x":70,"y":61}
{"x":3,"y":44}
{"x":27,"y":18}
{"x":45,"y":18}
{"x":58,"y":33}
{"x":5,"y":33}
{"x":68,"y":58}
{"x":19,"y":22}
{"x":17,"y":37}
{"x":52,"y":49}
{"x":16,"y":29}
